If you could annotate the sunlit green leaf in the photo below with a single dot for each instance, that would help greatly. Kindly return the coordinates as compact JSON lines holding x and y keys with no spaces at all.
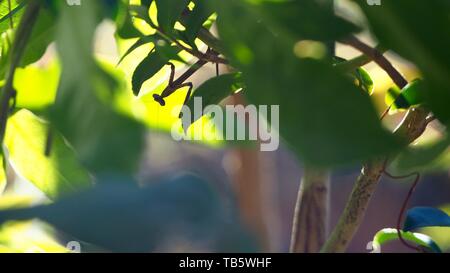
{"x":389,"y":234}
{"x":411,"y":95}
{"x":364,"y":80}
{"x":141,"y":41}
{"x":13,"y":12}
{"x":36,"y":86}
{"x":57,"y":174}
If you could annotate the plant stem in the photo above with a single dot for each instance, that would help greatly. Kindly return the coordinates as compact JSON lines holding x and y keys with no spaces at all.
{"x":378,"y":57}
{"x":309,"y":228}
{"x":359,"y":61}
{"x":412,"y":126}
{"x":23,"y":33}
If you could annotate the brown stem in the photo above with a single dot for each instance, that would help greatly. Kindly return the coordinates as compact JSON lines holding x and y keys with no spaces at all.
{"x":377,"y":57}
{"x":359,"y":61}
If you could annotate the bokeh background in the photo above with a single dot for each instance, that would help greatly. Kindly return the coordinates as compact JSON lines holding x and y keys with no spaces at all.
{"x":263,"y":186}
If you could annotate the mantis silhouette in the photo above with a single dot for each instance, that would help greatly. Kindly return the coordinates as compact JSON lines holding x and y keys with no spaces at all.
{"x":179,"y":83}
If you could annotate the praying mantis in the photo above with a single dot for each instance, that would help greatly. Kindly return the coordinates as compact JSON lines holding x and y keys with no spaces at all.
{"x":176,"y":84}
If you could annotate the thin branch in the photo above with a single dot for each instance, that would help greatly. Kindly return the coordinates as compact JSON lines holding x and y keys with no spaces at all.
{"x":21,"y":38}
{"x":359,"y":61}
{"x":377,"y":57}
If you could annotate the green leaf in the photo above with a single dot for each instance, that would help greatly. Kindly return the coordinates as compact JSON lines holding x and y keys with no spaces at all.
{"x":141,"y":12}
{"x":324,"y":117}
{"x":105,"y":141}
{"x":212,"y":92}
{"x":124,"y":218}
{"x":389,"y":234}
{"x":56,"y":175}
{"x":365,"y":82}
{"x":41,"y":37}
{"x":405,"y":27}
{"x":420,"y":217}
{"x":195,"y":20}
{"x":5,"y":14}
{"x":43,"y":34}
{"x":360,"y":76}
{"x":36,"y":86}
{"x":125,"y":26}
{"x":411,"y":95}
{"x":169,"y":11}
{"x":394,"y":99}
{"x":150,"y":65}
{"x":141,"y":41}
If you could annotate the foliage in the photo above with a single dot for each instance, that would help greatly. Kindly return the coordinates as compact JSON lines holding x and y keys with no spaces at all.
{"x":77,"y":126}
{"x":420,"y":217}
{"x":389,"y":234}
